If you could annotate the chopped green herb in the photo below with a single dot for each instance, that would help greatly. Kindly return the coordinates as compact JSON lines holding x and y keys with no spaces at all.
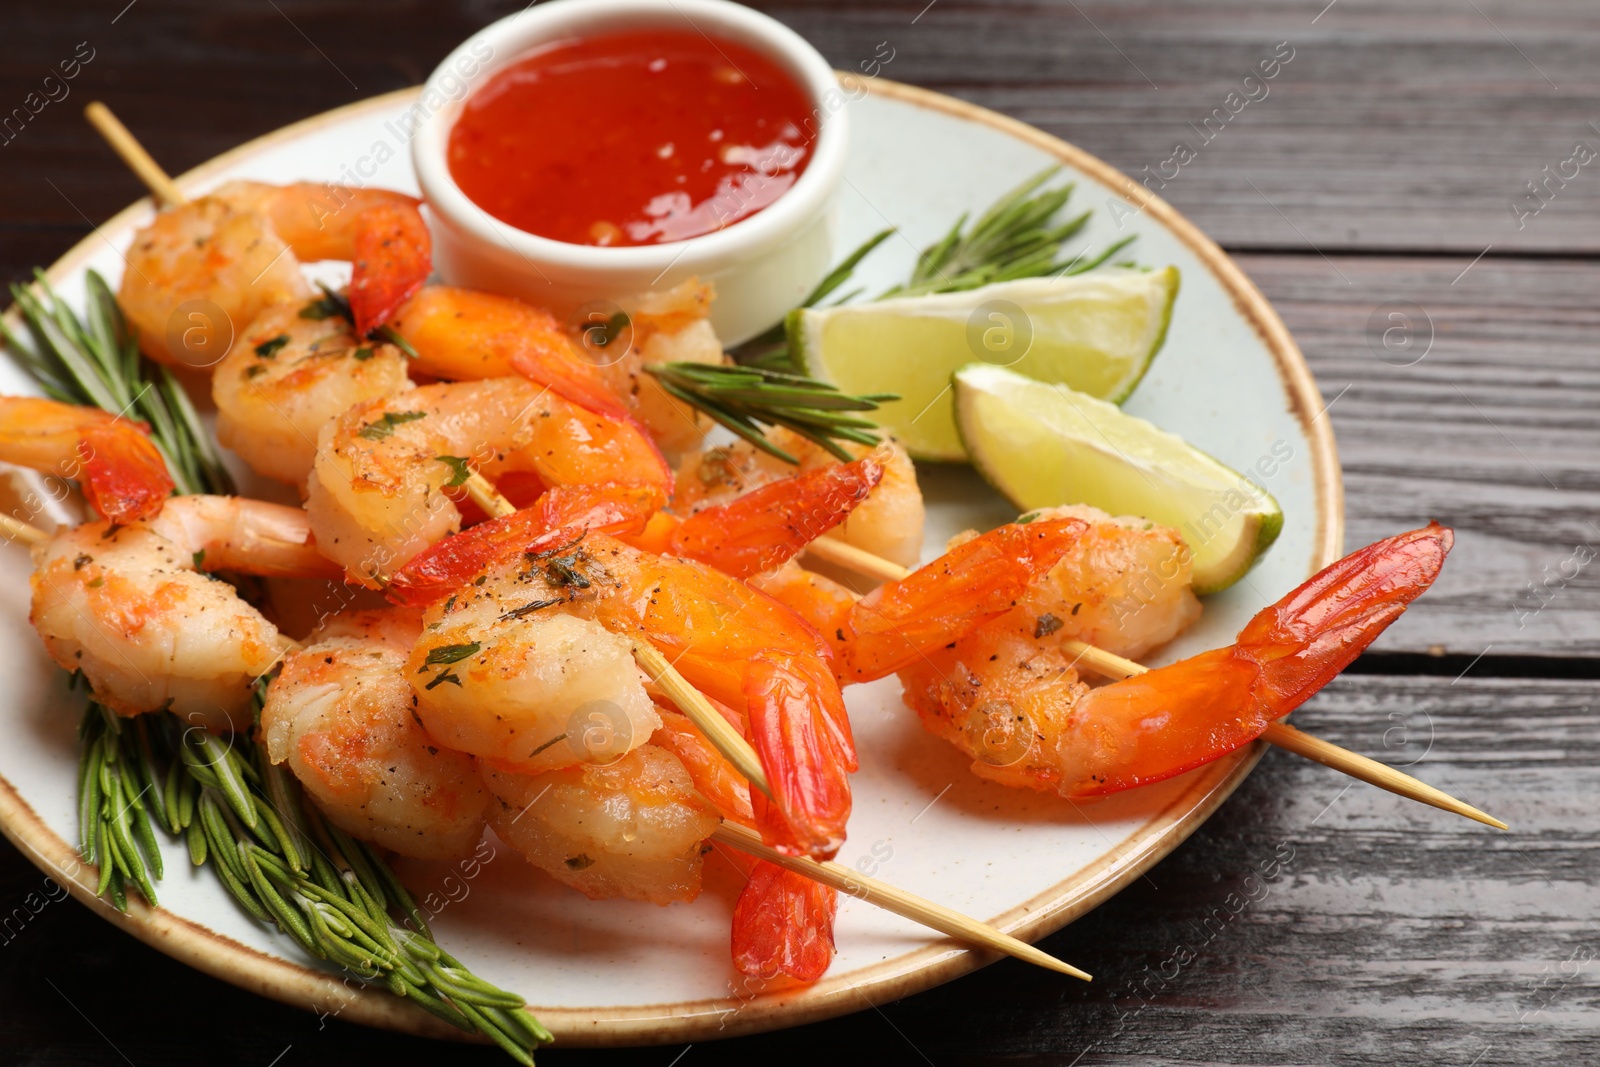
{"x":528,"y":609}
{"x":447,"y":676}
{"x":556,"y":740}
{"x":199,"y":559}
{"x":329,"y":306}
{"x":561,"y":571}
{"x":392,"y":335}
{"x":378,"y":429}
{"x":451,"y":653}
{"x":458,"y":464}
{"x":362,"y":354}
{"x":255,"y":369}
{"x":269,"y":349}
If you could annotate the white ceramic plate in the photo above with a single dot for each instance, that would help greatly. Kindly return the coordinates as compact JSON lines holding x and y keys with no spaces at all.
{"x":1230,"y":380}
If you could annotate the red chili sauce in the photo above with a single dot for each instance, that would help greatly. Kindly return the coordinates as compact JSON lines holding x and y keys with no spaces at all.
{"x":632,"y":138}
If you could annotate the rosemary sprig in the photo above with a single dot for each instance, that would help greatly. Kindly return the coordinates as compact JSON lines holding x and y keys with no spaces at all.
{"x":746,"y":398}
{"x":240,"y":816}
{"x":95,"y":360}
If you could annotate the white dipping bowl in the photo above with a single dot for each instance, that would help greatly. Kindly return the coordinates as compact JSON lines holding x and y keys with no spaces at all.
{"x":762,"y":265}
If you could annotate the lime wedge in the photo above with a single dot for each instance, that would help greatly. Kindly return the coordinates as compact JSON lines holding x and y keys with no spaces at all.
{"x":1095,"y":332}
{"x":1045,"y":444}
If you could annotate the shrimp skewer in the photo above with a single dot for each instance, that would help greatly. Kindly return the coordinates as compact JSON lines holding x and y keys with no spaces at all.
{"x":1018,"y":709}
{"x":288,"y":376}
{"x":887,"y":524}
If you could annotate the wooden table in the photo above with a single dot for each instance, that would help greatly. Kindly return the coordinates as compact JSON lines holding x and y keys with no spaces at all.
{"x":1388,"y":165}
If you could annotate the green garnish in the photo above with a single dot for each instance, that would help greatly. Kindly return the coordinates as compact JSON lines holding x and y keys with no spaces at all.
{"x":447,"y":676}
{"x":526,"y":609}
{"x":378,"y":429}
{"x":392,"y":335}
{"x":333,"y":304}
{"x":362,"y":354}
{"x":744,"y":399}
{"x":451,"y":653}
{"x":268,"y":349}
{"x":458,"y":464}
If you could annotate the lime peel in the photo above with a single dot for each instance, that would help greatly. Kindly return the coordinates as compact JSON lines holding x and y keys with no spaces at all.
{"x":1095,"y":332}
{"x":1044,"y":444}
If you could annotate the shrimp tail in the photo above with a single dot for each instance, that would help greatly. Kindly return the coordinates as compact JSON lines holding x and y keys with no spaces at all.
{"x":124,"y":475}
{"x":783,"y":924}
{"x":565,"y":510}
{"x":798,"y":726}
{"x":766,"y":527}
{"x":1308,"y":637}
{"x":1173,"y":719}
{"x":393,"y":257}
{"x":897,"y":623}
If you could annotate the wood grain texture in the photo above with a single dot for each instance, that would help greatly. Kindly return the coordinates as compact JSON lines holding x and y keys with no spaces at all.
{"x":1393,"y":126}
{"x":1493,"y":430}
{"x":1383,"y":160}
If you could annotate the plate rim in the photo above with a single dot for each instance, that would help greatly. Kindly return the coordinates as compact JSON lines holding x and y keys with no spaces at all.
{"x":299,"y":985}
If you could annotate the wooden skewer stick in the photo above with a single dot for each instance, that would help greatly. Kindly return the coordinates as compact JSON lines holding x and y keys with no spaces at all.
{"x":133,"y":154}
{"x":832,"y":550}
{"x":719,"y":731}
{"x":936,"y":916}
{"x":1278,"y":733}
{"x":482,"y":492}
{"x":1303,"y":744}
{"x":18,"y":530}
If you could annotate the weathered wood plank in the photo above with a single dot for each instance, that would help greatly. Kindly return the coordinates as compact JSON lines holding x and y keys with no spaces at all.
{"x":1492,"y":430}
{"x":1392,"y":127}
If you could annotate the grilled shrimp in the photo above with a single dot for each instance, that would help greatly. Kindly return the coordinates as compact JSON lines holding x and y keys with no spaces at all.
{"x":731,"y":642}
{"x":989,"y":679}
{"x":130,"y":605}
{"x":286,"y":377}
{"x":238,"y":251}
{"x":528,"y":690}
{"x":631,"y":828}
{"x":888,"y":523}
{"x":1124,"y":586}
{"x":376,"y":493}
{"x":462,"y":334}
{"x":122,"y":473}
{"x":340,"y":714}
